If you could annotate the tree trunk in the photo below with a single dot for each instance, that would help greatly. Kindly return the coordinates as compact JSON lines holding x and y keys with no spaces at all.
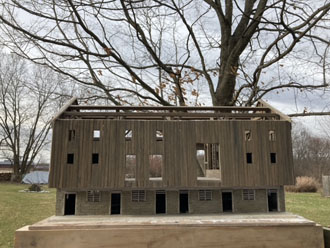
{"x":226,"y":82}
{"x":224,"y":96}
{"x":16,"y":169}
{"x":17,"y":178}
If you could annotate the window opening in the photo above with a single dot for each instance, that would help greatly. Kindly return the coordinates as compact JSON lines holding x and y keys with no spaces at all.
{"x":273,"y":158}
{"x":205,"y":195}
{"x":70,"y":158}
{"x":96,"y":135}
{"x":128,"y":134}
{"x":95,"y":158}
{"x":248,"y":194}
{"x":159,"y":135}
{"x":155,"y":166}
{"x":138,"y":195}
{"x":130,"y":167}
{"x":93,"y":196}
{"x":249,"y":158}
{"x":208,"y":161}
{"x":248,"y":135}
{"x":72,"y":135}
{"x":272,"y":136}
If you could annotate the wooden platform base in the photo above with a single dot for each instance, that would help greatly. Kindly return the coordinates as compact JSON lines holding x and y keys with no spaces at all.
{"x":279,"y":230}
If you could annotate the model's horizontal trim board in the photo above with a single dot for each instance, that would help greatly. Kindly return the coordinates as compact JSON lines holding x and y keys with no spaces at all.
{"x":75,"y":111}
{"x":163,"y":115}
{"x":168,"y":108}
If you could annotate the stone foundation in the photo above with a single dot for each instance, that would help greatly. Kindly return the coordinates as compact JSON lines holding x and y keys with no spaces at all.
{"x":148,"y":207}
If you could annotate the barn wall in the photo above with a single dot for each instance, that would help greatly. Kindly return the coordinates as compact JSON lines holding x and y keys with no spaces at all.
{"x":202,"y":207}
{"x":172,"y":202}
{"x":178,"y":149}
{"x":259,"y":204}
{"x":92,"y":208}
{"x":138,"y":208}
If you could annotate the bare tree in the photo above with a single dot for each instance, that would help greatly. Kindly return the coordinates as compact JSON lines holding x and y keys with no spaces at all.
{"x":172,"y":52}
{"x":25,"y":111}
{"x":311,"y":153}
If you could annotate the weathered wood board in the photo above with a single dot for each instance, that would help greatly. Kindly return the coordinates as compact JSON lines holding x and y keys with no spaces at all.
{"x":326,"y":232}
{"x":326,"y":186}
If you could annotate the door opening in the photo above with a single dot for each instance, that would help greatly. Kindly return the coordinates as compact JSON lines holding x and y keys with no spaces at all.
{"x":115,"y":203}
{"x":227,"y":202}
{"x":70,"y":204}
{"x":184,"y":202}
{"x":160,"y":203}
{"x":272,"y":200}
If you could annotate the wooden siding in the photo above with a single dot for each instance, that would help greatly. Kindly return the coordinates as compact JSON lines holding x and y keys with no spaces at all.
{"x":178,"y":149}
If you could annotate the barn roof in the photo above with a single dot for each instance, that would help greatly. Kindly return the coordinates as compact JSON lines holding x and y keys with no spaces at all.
{"x":263,"y":111}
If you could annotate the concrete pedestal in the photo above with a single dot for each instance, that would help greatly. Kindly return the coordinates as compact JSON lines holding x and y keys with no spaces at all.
{"x":256,"y":230}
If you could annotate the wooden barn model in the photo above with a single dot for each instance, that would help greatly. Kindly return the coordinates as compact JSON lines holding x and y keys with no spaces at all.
{"x":108,"y":160}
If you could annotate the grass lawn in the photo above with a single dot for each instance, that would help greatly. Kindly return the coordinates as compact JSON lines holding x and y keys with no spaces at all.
{"x":309,"y":205}
{"x":21,"y":209}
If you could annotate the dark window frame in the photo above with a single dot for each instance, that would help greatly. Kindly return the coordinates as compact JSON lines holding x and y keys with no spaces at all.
{"x":273,"y":158}
{"x":138,"y":196}
{"x":95,"y":158}
{"x":70,"y":158}
{"x":248,"y":194}
{"x":205,"y":195}
{"x":93,"y":196}
{"x":249,"y":158}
